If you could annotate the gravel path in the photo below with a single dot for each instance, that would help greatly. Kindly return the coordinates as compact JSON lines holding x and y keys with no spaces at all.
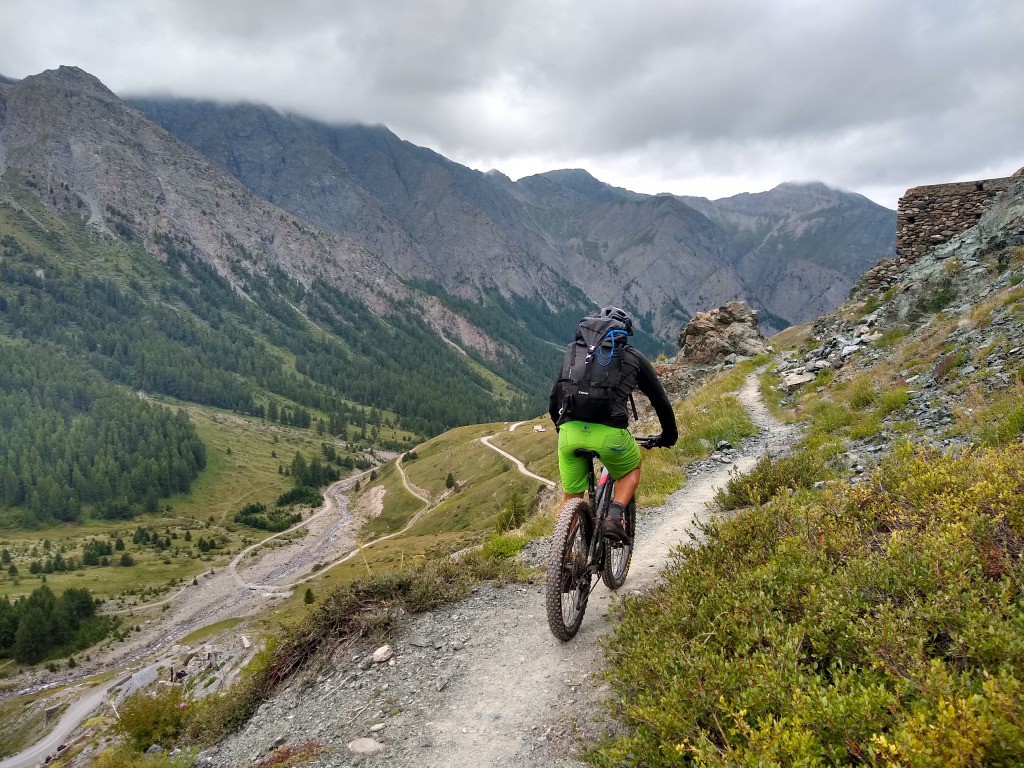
{"x":483,"y":682}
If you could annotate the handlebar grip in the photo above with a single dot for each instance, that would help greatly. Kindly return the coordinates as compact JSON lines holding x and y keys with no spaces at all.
{"x":648,"y":442}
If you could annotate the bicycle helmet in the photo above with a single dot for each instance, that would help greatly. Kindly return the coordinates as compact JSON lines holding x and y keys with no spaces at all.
{"x":614,"y":313}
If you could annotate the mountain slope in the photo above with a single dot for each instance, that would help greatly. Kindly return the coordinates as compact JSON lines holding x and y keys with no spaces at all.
{"x":91,"y":186}
{"x":561,"y":238}
{"x":804,"y":244}
{"x":424,"y":215}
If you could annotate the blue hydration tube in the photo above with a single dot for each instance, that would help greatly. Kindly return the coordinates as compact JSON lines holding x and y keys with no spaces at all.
{"x":604,"y":361}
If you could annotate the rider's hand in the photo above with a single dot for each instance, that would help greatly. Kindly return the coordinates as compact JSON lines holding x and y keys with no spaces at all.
{"x":664,"y":441}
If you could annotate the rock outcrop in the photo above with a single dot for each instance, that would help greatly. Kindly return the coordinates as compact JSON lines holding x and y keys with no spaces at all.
{"x":715,"y":335}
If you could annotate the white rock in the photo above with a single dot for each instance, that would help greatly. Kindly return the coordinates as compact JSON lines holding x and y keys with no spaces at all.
{"x":792,"y":380}
{"x":366,"y":746}
{"x":382,"y":654}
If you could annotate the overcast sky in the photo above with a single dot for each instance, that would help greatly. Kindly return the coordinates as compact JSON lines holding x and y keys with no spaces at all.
{"x":695,"y":97}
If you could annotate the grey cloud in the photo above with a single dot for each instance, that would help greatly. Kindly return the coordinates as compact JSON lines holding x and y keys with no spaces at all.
{"x":865,"y":94}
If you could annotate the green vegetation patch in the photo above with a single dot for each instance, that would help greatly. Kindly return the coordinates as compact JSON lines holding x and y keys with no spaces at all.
{"x":70,"y":440}
{"x":398,"y":505}
{"x":872,"y":624}
{"x":43,"y":625}
{"x":772,"y":475}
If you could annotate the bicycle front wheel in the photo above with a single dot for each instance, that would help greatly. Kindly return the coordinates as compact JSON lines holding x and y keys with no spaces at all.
{"x":568,"y":573}
{"x":617,"y":556}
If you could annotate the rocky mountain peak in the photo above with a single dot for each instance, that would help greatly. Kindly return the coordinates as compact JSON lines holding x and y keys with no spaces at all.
{"x":68,"y":78}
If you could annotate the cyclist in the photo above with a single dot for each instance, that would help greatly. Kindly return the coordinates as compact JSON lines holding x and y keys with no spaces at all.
{"x":603,"y":428}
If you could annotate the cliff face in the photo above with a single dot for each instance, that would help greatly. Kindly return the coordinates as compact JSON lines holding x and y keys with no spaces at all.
{"x":563,"y":235}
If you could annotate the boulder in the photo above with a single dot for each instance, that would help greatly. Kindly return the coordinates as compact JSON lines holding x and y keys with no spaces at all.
{"x":714,"y":335}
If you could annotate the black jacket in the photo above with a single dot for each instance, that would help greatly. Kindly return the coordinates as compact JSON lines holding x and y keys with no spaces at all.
{"x":637,"y":373}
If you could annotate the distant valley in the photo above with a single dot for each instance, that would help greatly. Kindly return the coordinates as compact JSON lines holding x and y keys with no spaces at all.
{"x":338,"y":279}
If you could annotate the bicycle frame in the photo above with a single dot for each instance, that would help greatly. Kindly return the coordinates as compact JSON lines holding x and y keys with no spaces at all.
{"x":573,"y":566}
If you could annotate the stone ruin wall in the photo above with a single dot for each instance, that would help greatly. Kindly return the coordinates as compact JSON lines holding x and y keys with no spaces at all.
{"x":934,"y":214}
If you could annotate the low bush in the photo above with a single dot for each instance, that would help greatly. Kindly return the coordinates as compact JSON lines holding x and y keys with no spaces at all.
{"x":151,"y":717}
{"x":275,"y":520}
{"x":772,"y":475}
{"x":872,"y":624}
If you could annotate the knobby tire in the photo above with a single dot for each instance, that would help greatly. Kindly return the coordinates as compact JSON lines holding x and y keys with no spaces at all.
{"x":568,"y":577}
{"x":618,"y":556}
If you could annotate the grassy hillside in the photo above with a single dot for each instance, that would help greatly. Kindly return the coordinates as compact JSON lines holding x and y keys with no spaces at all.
{"x":862,"y":605}
{"x":159,"y":394}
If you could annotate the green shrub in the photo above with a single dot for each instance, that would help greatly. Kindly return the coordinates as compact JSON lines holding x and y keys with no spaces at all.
{"x":939,"y":299}
{"x":770,"y":476}
{"x":153,"y":717}
{"x":874,"y":624}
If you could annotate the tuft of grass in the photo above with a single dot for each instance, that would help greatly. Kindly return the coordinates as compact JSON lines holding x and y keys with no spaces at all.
{"x":125,"y":757}
{"x":892,"y":337}
{"x":948,"y":363}
{"x":873,"y":303}
{"x":995,"y":418}
{"x":504,"y":545}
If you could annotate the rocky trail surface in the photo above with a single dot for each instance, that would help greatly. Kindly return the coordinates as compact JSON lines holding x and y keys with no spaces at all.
{"x":483,"y":682}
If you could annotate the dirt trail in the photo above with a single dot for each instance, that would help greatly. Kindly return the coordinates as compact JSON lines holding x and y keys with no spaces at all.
{"x":521,"y":688}
{"x":522,"y":467}
{"x":483,"y":682}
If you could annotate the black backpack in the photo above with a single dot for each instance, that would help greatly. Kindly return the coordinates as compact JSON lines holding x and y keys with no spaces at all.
{"x":588,"y":381}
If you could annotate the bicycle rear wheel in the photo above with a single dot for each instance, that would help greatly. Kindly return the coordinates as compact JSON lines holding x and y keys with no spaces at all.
{"x":617,"y":555}
{"x":568,"y":574}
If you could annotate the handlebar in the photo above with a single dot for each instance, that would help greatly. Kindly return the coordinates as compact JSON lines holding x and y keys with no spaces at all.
{"x":648,"y":441}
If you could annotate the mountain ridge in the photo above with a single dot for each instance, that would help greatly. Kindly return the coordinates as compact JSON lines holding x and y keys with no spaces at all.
{"x":470,"y":225}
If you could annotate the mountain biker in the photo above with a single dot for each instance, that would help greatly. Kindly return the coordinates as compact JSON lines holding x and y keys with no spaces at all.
{"x":607,"y":435}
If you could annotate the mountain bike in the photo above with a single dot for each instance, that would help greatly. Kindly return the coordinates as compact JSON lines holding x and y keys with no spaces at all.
{"x":580,"y":552}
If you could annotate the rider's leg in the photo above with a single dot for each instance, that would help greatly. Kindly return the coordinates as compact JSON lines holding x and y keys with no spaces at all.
{"x":625,"y":487}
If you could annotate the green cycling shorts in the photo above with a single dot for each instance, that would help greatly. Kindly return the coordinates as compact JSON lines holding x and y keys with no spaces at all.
{"x":616,"y":447}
